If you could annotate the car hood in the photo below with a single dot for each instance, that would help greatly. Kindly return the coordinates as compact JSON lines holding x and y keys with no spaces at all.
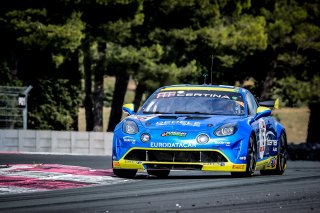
{"x":183,"y":122}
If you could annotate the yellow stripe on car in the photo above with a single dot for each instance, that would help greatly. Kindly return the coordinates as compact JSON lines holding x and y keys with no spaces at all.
{"x":200,"y":88}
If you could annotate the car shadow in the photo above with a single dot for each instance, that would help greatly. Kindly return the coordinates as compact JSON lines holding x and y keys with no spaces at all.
{"x":194,"y":175}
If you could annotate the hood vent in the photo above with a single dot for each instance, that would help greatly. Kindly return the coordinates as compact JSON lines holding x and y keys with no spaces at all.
{"x":195,"y":118}
{"x":170,"y":117}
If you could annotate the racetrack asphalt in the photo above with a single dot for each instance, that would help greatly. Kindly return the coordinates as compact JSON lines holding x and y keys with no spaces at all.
{"x":298,"y":190}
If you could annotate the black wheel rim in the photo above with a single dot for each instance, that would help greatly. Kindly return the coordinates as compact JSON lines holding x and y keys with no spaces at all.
{"x":252,"y":155}
{"x":283,"y":154}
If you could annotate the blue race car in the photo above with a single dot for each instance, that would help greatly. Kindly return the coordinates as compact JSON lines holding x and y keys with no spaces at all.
{"x":200,"y":127}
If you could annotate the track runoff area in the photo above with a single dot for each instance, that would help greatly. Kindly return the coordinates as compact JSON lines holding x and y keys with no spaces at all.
{"x":23,"y":178}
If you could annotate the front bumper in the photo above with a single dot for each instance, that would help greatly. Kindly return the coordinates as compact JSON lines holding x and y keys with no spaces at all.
{"x":177,"y":159}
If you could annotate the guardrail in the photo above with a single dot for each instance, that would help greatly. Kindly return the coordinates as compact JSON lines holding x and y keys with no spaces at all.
{"x":92,"y":143}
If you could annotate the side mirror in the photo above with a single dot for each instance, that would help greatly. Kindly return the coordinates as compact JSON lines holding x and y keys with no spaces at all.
{"x":261,"y":112}
{"x":128,"y":108}
{"x":270,"y":103}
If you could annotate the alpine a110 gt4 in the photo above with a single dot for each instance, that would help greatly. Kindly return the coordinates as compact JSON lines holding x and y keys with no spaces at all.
{"x":200,"y":127}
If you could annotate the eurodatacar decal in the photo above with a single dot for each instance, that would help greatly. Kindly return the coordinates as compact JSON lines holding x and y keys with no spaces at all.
{"x":172,"y":145}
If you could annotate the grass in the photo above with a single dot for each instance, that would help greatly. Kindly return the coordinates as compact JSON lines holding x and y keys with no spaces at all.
{"x":295,"y":121}
{"x":82,"y":119}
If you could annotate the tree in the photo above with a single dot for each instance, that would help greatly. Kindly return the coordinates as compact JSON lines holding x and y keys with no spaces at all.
{"x":293,"y":42}
{"x":43,"y":48}
{"x":106,"y":21}
{"x":188,"y":43}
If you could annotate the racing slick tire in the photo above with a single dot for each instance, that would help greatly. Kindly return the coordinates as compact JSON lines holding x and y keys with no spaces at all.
{"x":125,"y":173}
{"x":281,"y":158}
{"x":159,"y":173}
{"x":251,"y":160}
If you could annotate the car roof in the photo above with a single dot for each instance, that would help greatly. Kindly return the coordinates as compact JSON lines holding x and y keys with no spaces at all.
{"x":226,"y":88}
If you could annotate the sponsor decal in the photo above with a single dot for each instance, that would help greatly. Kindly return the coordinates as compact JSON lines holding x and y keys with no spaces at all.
{"x":166,"y":94}
{"x":183,"y":123}
{"x":243,"y":158}
{"x":221,"y":143}
{"x":272,"y":163}
{"x":270,"y":141}
{"x":215,"y":164}
{"x":145,"y":118}
{"x":132,"y":162}
{"x":172,"y":145}
{"x":129,"y":139}
{"x":174,"y":133}
{"x":262,"y":137}
{"x":115,"y":163}
{"x":191,"y":94}
{"x":237,"y":166}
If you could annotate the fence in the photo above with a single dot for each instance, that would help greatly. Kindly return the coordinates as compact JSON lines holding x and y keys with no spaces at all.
{"x":13,"y":107}
{"x":92,"y":143}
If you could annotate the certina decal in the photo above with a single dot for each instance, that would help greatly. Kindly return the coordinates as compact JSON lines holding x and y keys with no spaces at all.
{"x":174,"y":133}
{"x":190,"y":94}
{"x":172,"y":145}
{"x":183,"y":123}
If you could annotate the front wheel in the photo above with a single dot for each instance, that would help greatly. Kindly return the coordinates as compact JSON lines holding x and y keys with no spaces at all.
{"x":281,"y":158}
{"x":125,"y":173}
{"x":251,"y":160}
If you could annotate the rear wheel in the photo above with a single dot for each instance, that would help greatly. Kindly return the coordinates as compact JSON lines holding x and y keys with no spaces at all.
{"x":159,"y":173}
{"x":125,"y":173}
{"x":251,"y":160}
{"x":281,"y":158}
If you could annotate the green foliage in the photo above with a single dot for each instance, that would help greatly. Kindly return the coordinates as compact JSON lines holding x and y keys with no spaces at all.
{"x":294,"y":35}
{"x":8,"y":77}
{"x":43,"y":46}
{"x":33,"y":31}
{"x":296,"y":93}
{"x":59,"y":103}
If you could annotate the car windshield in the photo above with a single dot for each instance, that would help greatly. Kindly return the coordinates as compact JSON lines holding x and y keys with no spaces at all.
{"x":195,"y":102}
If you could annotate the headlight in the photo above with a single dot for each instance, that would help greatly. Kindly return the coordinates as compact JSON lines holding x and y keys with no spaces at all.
{"x":130,"y":127}
{"x":202,"y":138}
{"x":226,"y":130}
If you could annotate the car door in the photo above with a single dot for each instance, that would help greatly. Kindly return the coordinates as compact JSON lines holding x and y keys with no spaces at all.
{"x":259,"y":126}
{"x":271,"y":137}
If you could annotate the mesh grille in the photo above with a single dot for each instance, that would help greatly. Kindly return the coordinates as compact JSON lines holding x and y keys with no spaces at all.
{"x":175,"y":156}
